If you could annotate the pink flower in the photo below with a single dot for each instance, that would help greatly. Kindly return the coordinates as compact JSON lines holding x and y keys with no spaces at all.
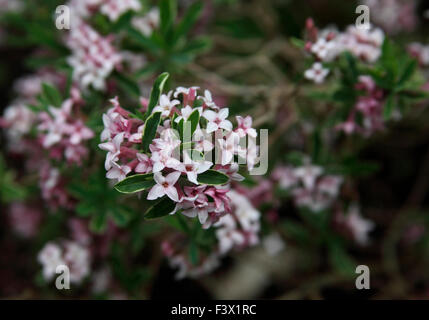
{"x":217,"y":120}
{"x":164,"y":186}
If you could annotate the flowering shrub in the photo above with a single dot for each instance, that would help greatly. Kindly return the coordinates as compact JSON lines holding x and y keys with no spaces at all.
{"x":135,"y":154}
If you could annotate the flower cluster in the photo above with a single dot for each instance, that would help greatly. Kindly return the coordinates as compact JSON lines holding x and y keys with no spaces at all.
{"x":113,"y":9}
{"x":69,"y":254}
{"x":394,"y":16}
{"x":239,"y":229}
{"x":368,"y":108}
{"x":93,"y":56}
{"x":63,"y":133}
{"x":309,"y":185}
{"x":327,"y":45}
{"x":176,"y":176}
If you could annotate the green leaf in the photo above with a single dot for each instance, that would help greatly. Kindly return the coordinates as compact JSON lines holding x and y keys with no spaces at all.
{"x":144,"y":42}
{"x":194,"y":119}
{"x":212,"y":177}
{"x":135,"y":183}
{"x":388,"y":107}
{"x":161,"y":209}
{"x":149,"y":130}
{"x":299,"y":43}
{"x":168,"y":12}
{"x":407,"y":73}
{"x":157,"y":89}
{"x":193,"y":253}
{"x":98,"y":222}
{"x":121,"y":216}
{"x":340,"y":260}
{"x":127,"y":84}
{"x":51,"y":95}
{"x":196,"y":46}
{"x":188,"y":20}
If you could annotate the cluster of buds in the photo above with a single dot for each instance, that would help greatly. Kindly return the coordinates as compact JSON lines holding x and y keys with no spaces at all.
{"x":66,"y":253}
{"x":173,"y":147}
{"x":327,"y":45}
{"x":309,"y":185}
{"x":93,"y":56}
{"x":369,"y":107}
{"x":63,"y":134}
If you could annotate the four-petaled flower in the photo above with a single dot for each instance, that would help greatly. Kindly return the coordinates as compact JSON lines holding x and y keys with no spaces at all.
{"x":165,"y":105}
{"x":164,"y":186}
{"x":217,"y":120}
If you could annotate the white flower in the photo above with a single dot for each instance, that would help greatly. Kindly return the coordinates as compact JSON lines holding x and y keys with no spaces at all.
{"x":208,"y":100}
{"x":359,"y":226}
{"x":145,"y":164}
{"x":232,"y":171}
{"x":200,"y":141}
{"x":229,"y":147}
{"x":164,"y":186}
{"x":194,"y":168}
{"x":162,"y":159}
{"x":165,"y":105}
{"x":148,"y":23}
{"x":245,"y":127}
{"x":50,"y":257}
{"x":185,"y":113}
{"x":228,"y":235}
{"x":118,"y":172}
{"x":114,"y":149}
{"x":308,"y":174}
{"x":79,"y":132}
{"x":115,"y":8}
{"x":324,"y":50}
{"x":317,"y":73}
{"x":217,"y":120}
{"x":184,"y":91}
